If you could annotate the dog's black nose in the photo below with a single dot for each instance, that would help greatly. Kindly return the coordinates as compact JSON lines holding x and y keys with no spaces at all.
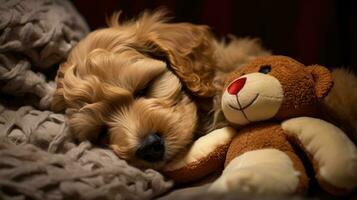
{"x":152,"y":148}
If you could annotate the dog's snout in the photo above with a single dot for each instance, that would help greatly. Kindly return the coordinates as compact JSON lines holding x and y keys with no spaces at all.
{"x":236,"y":86}
{"x":152,"y":148}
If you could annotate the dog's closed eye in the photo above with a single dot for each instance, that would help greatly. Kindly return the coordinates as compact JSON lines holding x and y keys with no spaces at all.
{"x":103,"y":137}
{"x":142,"y":92}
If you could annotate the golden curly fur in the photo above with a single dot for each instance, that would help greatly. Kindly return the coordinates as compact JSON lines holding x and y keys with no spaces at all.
{"x":146,"y":76}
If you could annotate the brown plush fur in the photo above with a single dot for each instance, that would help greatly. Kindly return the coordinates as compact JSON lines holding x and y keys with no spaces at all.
{"x":338,"y":106}
{"x":298,"y":82}
{"x":303,"y":87}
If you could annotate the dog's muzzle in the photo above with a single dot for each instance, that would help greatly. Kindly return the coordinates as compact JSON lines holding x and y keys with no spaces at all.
{"x":152,"y":148}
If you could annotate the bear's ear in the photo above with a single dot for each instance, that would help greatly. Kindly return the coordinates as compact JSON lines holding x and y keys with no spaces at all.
{"x":322,"y":78}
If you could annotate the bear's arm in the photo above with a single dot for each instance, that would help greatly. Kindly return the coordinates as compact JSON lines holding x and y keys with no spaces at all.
{"x":260,"y":160}
{"x":333,"y":155}
{"x":205,"y":156}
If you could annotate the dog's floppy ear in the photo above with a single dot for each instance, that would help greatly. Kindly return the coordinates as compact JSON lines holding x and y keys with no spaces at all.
{"x":187,"y":47}
{"x":84,"y":93}
{"x":189,"y":50}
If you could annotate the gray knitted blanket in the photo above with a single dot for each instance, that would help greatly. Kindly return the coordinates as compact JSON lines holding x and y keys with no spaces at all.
{"x":35,"y":35}
{"x":38,"y":157}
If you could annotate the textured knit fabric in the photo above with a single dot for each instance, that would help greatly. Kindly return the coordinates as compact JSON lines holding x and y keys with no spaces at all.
{"x":35,"y":35}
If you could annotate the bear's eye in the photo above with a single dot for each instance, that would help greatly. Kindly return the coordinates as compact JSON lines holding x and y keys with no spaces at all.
{"x":265,"y":69}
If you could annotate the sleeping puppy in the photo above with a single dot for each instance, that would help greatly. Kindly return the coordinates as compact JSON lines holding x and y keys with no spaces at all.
{"x":147,"y":84}
{"x":129,"y":79}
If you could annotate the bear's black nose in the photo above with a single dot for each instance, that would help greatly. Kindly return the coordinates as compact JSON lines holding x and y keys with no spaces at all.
{"x":152,"y":148}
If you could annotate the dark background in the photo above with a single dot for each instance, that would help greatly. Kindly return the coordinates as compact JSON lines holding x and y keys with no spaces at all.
{"x":311,"y":31}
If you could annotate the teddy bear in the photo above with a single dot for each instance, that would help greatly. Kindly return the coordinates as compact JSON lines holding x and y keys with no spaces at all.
{"x":272,"y":103}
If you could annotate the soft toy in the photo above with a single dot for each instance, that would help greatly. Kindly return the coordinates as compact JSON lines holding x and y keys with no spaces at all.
{"x":273,"y":101}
